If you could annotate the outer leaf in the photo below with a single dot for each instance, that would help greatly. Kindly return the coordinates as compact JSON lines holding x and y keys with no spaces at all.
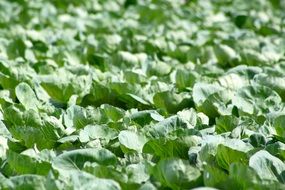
{"x":176,"y":174}
{"x":132,"y":140}
{"x":75,"y":159}
{"x":26,"y":96}
{"x":267,"y":166}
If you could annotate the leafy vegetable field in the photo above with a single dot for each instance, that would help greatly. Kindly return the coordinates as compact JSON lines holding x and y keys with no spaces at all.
{"x":142,"y":94}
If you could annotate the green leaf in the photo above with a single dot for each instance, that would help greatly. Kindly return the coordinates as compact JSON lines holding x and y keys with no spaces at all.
{"x":28,"y":163}
{"x":251,"y":57}
{"x":112,"y":112}
{"x":171,"y":102}
{"x":75,"y":159}
{"x":232,"y":151}
{"x":201,"y":91}
{"x":226,"y":123}
{"x":215,"y":177}
{"x":165,"y":148}
{"x":82,"y":180}
{"x":168,"y":125}
{"x":267,"y":166}
{"x":276,"y":149}
{"x":216,"y":104}
{"x":279,"y":123}
{"x":105,"y":172}
{"x":226,"y":55}
{"x":177,"y":174}
{"x":256,"y":99}
{"x":97,"y":132}
{"x":132,"y":140}
{"x":145,"y":117}
{"x":26,"y":96}
{"x":137,"y":173}
{"x":77,"y":117}
{"x":28,"y":181}
{"x":184,"y":79}
{"x":5,"y":183}
{"x":277,"y":83}
{"x":244,"y":176}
